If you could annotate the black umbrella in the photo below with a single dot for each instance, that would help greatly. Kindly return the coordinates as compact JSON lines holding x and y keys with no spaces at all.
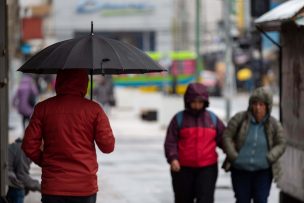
{"x":100,"y":55}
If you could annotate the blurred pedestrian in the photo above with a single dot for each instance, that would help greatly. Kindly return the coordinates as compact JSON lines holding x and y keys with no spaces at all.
{"x":20,"y":181}
{"x":25,"y":98}
{"x":253,"y":142}
{"x":103,"y":92}
{"x":61,"y":139}
{"x":190,"y":148}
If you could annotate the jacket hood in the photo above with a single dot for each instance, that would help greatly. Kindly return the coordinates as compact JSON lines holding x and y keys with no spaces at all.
{"x":72,"y":81}
{"x":196,"y":91}
{"x":261,"y":94}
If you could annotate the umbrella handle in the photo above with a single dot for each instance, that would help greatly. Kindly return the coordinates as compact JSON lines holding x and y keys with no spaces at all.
{"x":92,"y":30}
{"x":91,"y":81}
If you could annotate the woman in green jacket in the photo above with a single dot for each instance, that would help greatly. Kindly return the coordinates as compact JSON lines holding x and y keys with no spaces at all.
{"x":253,"y":142}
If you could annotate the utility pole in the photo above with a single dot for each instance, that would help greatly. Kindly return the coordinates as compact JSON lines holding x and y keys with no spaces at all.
{"x":230,"y":78}
{"x":247,"y":9}
{"x":197,"y":38}
{"x":3,"y":96}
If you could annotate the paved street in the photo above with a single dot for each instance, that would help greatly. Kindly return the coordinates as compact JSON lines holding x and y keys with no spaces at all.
{"x":137,"y":171}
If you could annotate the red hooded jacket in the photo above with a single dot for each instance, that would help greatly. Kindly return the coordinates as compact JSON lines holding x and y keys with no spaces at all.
{"x":194,"y":143}
{"x":68,"y":125}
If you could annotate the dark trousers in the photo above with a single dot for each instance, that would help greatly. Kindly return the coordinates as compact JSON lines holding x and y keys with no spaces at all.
{"x":15,"y":195}
{"x":25,"y":121}
{"x":3,"y":200}
{"x":68,"y":199}
{"x":249,"y":185}
{"x":194,"y":183}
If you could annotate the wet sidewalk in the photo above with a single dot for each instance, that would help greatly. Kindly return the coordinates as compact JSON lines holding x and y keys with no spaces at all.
{"x":137,"y":171}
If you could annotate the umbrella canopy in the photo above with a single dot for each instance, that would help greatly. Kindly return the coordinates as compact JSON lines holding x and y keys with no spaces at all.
{"x":100,"y":55}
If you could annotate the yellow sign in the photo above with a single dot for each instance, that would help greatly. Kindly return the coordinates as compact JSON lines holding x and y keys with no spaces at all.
{"x":240,"y":14}
{"x":244,"y":74}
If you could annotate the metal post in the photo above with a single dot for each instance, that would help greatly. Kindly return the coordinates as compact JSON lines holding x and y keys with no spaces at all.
{"x":247,"y":9}
{"x":3,"y":95}
{"x":229,"y":81}
{"x":197,"y":39}
{"x":280,"y":83}
{"x":280,"y":70}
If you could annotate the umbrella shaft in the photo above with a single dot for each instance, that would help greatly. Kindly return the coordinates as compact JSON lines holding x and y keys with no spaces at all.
{"x":91,"y":86}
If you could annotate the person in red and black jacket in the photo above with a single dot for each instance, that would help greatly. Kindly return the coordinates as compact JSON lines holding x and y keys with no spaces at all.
{"x":190,"y":148}
{"x":61,"y":138}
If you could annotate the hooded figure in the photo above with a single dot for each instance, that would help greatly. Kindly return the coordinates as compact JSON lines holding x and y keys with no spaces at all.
{"x":253,"y":142}
{"x":61,"y":139}
{"x":190,"y":147}
{"x":196,"y":91}
{"x":25,"y":98}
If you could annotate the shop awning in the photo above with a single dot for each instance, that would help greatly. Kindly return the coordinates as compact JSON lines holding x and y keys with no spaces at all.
{"x":292,"y":10}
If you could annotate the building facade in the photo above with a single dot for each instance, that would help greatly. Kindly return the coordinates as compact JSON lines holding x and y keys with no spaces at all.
{"x":150,"y":25}
{"x":145,"y":24}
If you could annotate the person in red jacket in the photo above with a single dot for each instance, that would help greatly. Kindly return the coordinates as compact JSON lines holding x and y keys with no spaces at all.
{"x":190,"y":148}
{"x":61,"y":138}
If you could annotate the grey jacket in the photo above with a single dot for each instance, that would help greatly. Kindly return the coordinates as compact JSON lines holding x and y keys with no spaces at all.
{"x":18,"y":168}
{"x":235,"y":134}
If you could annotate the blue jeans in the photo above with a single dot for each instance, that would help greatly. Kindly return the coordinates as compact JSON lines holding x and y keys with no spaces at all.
{"x":249,"y":185}
{"x":15,"y":195}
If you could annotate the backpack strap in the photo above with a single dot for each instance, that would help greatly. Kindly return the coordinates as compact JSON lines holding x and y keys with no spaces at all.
{"x":213,"y":117}
{"x":214,"y":121}
{"x":179,"y":119}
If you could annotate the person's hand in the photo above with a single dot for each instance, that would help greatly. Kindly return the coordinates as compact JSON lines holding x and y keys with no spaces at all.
{"x":38,"y":188}
{"x":175,"y":165}
{"x":12,"y":177}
